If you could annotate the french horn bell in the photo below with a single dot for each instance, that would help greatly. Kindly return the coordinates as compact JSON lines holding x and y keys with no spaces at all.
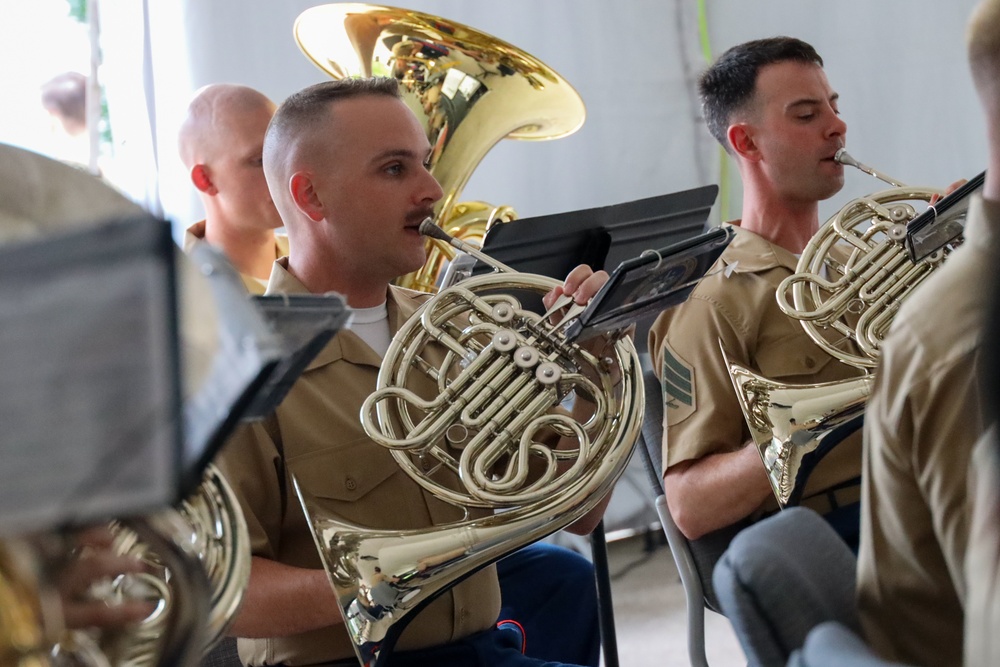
{"x":469,"y":385}
{"x":851,"y":279}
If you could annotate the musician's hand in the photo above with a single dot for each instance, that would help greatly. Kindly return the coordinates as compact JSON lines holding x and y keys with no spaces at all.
{"x":951,"y":188}
{"x":582,"y":283}
{"x":94,"y":562}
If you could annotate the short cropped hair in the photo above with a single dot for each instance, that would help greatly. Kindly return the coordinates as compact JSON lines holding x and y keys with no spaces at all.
{"x":308,"y":106}
{"x":728,"y":86}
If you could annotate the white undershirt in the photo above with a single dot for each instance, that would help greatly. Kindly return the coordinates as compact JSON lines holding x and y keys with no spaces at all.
{"x":372,"y":326}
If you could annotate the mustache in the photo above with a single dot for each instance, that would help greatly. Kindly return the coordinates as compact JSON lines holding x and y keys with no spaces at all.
{"x":418,"y":216}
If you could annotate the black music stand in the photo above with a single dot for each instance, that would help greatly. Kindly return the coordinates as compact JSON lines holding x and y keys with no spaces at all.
{"x":90,"y":390}
{"x":111,"y":404}
{"x":263,"y":345}
{"x":603,"y":238}
{"x":305,"y":323}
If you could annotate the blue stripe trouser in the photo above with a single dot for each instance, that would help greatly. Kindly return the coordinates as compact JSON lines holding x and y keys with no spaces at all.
{"x":550,"y":591}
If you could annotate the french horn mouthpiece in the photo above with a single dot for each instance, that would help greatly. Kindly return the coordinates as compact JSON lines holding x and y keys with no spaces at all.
{"x":843,"y":157}
{"x":428,"y":228}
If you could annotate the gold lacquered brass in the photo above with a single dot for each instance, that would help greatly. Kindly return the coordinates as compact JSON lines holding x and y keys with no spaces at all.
{"x":468,"y":88}
{"x":794,"y":426}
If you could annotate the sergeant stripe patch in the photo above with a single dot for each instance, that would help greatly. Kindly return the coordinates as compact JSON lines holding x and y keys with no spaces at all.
{"x":677,"y":379}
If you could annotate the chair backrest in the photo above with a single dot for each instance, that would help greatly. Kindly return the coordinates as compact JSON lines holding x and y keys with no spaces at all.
{"x":694,"y":559}
{"x":704,"y":552}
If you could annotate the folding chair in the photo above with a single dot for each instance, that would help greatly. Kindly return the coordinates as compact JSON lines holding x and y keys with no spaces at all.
{"x":695,"y":559}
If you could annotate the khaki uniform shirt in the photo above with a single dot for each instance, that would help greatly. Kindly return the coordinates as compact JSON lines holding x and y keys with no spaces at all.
{"x":703,"y":414}
{"x":316,"y":435}
{"x":922,"y":421}
{"x":982,"y":560}
{"x":196,"y":232}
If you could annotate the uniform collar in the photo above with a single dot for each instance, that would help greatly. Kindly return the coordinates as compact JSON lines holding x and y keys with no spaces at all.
{"x":346,"y":345}
{"x":751,"y":253}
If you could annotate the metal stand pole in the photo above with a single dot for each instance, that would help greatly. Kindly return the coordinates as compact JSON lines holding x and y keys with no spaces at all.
{"x":605,"y":610}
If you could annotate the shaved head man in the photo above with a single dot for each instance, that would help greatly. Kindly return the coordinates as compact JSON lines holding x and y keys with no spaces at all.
{"x":221,"y":144}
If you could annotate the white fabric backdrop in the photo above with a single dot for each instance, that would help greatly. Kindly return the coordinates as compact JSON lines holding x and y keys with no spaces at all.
{"x":899,"y":66}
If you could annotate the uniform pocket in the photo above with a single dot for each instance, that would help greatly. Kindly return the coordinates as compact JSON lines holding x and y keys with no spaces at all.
{"x":347,"y":473}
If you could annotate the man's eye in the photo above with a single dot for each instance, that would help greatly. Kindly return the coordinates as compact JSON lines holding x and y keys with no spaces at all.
{"x":806,"y":116}
{"x":394,"y":169}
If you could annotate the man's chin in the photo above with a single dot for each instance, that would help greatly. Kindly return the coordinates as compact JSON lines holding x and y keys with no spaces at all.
{"x":831,"y":188}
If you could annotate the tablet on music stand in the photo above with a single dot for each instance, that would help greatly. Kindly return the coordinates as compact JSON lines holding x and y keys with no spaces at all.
{"x":603,"y":238}
{"x":649,"y":284}
{"x":943,"y":223}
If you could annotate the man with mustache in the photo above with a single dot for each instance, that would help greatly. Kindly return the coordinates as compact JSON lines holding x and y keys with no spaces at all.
{"x":347,"y":165}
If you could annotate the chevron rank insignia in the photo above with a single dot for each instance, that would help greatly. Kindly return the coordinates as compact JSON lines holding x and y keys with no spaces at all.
{"x":677,"y":380}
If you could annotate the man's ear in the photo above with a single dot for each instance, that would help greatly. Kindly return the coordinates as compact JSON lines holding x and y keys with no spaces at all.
{"x":305,"y":196}
{"x":202,"y":180}
{"x":741,"y":138}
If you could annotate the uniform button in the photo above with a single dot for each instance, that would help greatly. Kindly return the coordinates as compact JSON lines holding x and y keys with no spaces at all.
{"x":810,"y":362}
{"x":350,"y":484}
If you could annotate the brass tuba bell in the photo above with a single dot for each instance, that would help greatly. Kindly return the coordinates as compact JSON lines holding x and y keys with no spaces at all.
{"x":850,"y":281}
{"x":465,"y":392}
{"x":469,"y":89}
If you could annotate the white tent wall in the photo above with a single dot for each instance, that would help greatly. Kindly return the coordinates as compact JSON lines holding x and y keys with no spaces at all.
{"x":899,"y":66}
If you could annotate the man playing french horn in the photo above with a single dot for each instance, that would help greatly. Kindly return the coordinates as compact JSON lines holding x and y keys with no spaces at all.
{"x":768,"y":102}
{"x":346,"y":165}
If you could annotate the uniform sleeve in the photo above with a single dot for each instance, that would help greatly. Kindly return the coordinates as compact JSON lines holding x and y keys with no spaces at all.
{"x":920,"y":425}
{"x":251,"y":463}
{"x":702,"y":415}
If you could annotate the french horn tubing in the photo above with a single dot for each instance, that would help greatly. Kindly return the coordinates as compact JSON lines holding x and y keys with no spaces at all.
{"x":498,"y":373}
{"x":850,"y":281}
{"x":205,"y":537}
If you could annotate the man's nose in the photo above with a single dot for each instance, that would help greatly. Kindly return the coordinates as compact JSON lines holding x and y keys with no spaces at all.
{"x":430,"y":189}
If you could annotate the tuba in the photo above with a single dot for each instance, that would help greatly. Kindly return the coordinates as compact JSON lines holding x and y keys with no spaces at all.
{"x":850,"y":281}
{"x":469,"y":89}
{"x":465,"y":391}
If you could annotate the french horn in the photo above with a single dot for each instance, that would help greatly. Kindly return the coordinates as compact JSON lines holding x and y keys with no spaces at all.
{"x":468,"y":88}
{"x":210,"y":526}
{"x":851,"y":279}
{"x":499,"y":371}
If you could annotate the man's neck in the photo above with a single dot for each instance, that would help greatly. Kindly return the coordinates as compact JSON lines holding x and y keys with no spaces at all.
{"x":361,"y":291}
{"x":785,"y":224}
{"x":252,"y":251}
